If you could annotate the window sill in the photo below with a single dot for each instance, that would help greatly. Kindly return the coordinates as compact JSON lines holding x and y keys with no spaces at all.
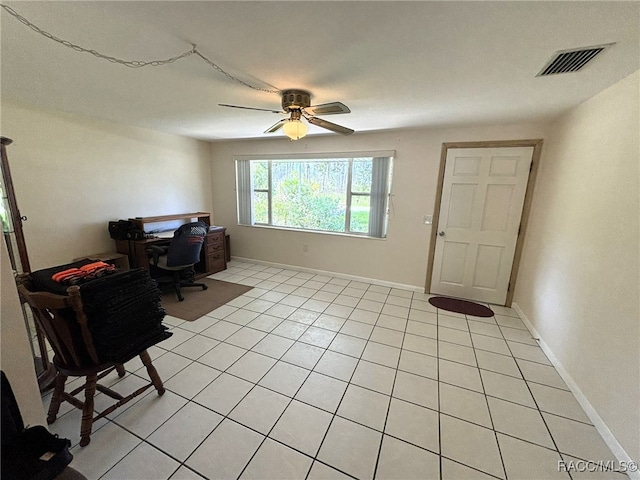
{"x":319,"y":232}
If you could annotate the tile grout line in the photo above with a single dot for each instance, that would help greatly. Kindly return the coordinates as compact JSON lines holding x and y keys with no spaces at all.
{"x":544,"y":421}
{"x":356,"y":422}
{"x":192,"y":400}
{"x":440,"y":413}
{"x":393,"y":386}
{"x":288,"y":404}
{"x":366,"y":388}
{"x":325,"y":349}
{"x":226,"y":416}
{"x":340,"y":402}
{"x":494,"y":372}
{"x":439,"y":394}
{"x":484,"y":390}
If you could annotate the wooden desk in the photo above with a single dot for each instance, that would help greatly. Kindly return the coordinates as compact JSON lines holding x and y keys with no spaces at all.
{"x":143,"y":222}
{"x":213,"y":257}
{"x":120,"y":260}
{"x":136,"y":250}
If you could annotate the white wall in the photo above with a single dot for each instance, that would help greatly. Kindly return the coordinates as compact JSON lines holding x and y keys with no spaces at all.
{"x":579,"y":277}
{"x":402,"y":257}
{"x":73,"y":174}
{"x":16,"y":358}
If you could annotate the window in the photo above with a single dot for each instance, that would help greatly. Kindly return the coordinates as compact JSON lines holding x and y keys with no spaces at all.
{"x":340,"y":193}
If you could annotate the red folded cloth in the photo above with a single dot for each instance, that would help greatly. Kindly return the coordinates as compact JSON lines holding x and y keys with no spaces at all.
{"x":73,"y":276}
{"x":61,"y":276}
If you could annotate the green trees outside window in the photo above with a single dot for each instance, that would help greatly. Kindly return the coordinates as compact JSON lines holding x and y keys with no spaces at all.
{"x":327,"y":194}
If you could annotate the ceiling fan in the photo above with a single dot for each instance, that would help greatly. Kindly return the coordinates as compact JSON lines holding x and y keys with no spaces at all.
{"x":297,"y":104}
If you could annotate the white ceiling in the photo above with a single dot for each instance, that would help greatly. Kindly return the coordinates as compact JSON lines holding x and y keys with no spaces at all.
{"x":395,"y":64}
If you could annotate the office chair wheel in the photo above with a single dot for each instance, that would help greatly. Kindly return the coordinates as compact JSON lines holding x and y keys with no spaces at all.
{"x":204,"y":287}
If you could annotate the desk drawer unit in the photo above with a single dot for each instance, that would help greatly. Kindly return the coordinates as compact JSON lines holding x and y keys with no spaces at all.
{"x":214,"y":251}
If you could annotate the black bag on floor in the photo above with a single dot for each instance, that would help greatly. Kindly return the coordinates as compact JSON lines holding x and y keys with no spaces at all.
{"x":31,"y":453}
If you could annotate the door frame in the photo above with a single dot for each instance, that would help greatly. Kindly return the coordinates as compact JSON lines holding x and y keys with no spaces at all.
{"x":535,"y":160}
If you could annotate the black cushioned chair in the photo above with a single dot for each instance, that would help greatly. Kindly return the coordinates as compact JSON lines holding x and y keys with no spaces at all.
{"x":179,"y":258}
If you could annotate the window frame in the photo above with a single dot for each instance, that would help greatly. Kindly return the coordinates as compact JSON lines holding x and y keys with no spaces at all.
{"x":245,"y":189}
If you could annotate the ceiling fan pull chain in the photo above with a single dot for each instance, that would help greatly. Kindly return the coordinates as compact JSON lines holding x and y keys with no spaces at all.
{"x":229,"y":76}
{"x":130,"y":63}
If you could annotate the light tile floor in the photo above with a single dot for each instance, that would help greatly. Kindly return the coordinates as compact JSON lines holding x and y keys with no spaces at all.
{"x":310,"y":377}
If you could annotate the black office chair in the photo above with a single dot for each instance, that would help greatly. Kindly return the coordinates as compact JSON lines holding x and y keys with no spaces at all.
{"x":181,"y":256}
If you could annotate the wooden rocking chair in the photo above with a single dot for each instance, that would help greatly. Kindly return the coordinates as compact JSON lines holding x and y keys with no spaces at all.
{"x":64,"y":323}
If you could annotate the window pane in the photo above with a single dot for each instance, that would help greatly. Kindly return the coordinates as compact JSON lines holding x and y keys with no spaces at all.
{"x":360,"y":206}
{"x":361,"y":175}
{"x":310,"y":195}
{"x":260,"y":207}
{"x":260,"y":175}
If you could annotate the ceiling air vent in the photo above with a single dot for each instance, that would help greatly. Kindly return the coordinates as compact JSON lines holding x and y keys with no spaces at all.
{"x":571,"y":60}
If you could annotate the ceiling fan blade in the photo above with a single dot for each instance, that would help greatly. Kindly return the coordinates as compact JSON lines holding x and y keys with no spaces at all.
{"x":276,"y":126}
{"x":327,"y":109}
{"x":330,"y":126}
{"x":250,"y":108}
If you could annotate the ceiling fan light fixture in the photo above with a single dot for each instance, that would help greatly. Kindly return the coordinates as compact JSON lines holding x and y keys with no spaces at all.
{"x":296,"y":104}
{"x":295,"y":129}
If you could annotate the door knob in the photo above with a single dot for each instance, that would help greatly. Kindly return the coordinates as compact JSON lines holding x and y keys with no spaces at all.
{"x":441,"y":234}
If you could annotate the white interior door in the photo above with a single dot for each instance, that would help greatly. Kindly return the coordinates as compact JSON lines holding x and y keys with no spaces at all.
{"x":481,"y":207}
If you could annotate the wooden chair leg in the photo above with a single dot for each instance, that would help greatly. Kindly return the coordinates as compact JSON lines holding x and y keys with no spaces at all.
{"x":152,"y":372}
{"x":56,"y":398}
{"x":120,"y":369}
{"x":87,"y":411}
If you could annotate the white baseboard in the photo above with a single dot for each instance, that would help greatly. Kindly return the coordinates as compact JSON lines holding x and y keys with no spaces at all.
{"x":355,"y":278}
{"x":618,"y":451}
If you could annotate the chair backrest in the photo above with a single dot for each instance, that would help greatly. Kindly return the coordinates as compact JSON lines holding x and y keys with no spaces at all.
{"x":186,"y":244}
{"x":64,"y":323}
